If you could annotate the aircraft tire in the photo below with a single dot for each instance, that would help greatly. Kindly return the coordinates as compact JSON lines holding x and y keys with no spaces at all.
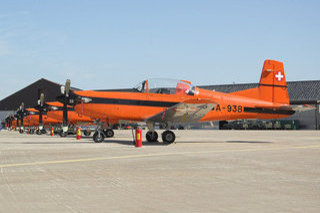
{"x":63,"y":134}
{"x":168,"y":137}
{"x":98,"y":137}
{"x":152,"y":136}
{"x":109,"y":133}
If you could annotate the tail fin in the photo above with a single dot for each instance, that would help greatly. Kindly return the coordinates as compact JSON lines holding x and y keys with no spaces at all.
{"x":272,"y":86}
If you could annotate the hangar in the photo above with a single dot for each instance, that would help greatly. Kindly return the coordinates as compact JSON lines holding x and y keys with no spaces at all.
{"x":29,"y":95}
{"x":300,"y":93}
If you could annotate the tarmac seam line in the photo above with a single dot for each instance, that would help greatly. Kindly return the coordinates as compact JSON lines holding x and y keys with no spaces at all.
{"x":147,"y":155}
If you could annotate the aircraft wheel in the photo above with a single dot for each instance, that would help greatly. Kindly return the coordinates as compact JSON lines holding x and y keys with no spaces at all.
{"x":86,"y":133}
{"x":168,"y":137}
{"x":109,"y":133}
{"x":152,"y":136}
{"x":63,"y":134}
{"x":98,"y":137}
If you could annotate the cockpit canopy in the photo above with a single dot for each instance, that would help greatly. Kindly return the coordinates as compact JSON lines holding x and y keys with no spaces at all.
{"x":166,"y":86}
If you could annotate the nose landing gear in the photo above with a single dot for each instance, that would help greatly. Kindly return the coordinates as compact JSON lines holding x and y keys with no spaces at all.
{"x":102,"y":133}
{"x":98,"y":136}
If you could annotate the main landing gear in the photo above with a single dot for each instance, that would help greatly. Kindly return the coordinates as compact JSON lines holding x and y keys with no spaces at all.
{"x":152,"y":136}
{"x":41,"y":131}
{"x":167,"y":136}
{"x":100,"y":134}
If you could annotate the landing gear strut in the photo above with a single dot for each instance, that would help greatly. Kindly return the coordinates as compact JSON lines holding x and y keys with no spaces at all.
{"x":87,"y":133}
{"x":64,"y":131}
{"x":102,"y":133}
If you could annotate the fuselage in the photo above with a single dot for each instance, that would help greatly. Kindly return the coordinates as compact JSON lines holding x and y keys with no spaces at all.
{"x":73,"y":116}
{"x":33,"y":120}
{"x":139,"y":106}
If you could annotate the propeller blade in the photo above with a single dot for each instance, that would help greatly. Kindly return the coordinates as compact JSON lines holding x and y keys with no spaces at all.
{"x":41,"y":99}
{"x":67,"y":87}
{"x":63,"y":89}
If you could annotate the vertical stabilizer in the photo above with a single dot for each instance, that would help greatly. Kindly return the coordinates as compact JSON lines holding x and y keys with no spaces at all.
{"x":273,"y":85}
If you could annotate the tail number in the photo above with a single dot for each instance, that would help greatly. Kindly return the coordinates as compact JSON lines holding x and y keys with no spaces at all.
{"x":235,"y":108}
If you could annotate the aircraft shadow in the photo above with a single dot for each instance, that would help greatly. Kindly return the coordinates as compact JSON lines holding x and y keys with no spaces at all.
{"x":42,"y":143}
{"x":249,"y":142}
{"x":131,"y":143}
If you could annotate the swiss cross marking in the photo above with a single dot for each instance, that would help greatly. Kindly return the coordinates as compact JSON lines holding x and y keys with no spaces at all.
{"x":279,"y":76}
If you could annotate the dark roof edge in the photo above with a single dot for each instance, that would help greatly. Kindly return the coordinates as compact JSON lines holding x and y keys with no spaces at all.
{"x":216,"y":85}
{"x":41,"y":79}
{"x":24,"y":88}
{"x":304,"y":102}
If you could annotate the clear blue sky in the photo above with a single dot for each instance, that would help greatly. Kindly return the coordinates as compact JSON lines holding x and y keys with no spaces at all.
{"x":116,"y":44}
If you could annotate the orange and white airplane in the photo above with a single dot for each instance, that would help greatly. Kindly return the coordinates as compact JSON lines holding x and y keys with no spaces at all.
{"x":33,"y":120}
{"x":168,"y":102}
{"x":73,"y":118}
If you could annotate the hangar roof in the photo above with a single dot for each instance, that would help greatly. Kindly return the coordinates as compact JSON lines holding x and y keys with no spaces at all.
{"x":30,"y":95}
{"x":299,"y":91}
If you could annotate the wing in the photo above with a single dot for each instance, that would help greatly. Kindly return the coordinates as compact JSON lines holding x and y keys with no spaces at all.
{"x":184,"y":112}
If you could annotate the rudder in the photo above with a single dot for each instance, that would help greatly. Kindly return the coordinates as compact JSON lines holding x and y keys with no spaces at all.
{"x":273,"y":85}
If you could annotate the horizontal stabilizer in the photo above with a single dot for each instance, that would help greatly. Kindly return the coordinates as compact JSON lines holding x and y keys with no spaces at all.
{"x":302,"y":108}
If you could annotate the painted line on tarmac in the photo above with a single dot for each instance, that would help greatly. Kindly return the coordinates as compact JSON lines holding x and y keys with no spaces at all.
{"x":148,"y":155}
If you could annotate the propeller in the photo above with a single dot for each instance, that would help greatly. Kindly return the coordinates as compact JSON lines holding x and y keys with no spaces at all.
{"x":11,"y":118}
{"x":67,"y":97}
{"x":21,"y":113}
{"x":67,"y":88}
{"x":42,"y":107}
{"x":41,"y":110}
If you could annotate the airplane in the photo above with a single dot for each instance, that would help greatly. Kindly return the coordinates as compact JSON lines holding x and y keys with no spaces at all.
{"x":56,"y":111}
{"x":167,"y":102}
{"x":19,"y":115}
{"x":32,"y":120}
{"x":9,"y":120}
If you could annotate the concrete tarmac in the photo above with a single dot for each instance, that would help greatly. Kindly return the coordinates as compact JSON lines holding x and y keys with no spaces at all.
{"x":204,"y":171}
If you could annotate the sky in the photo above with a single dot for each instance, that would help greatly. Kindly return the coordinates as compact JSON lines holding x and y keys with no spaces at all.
{"x":117,"y":44}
